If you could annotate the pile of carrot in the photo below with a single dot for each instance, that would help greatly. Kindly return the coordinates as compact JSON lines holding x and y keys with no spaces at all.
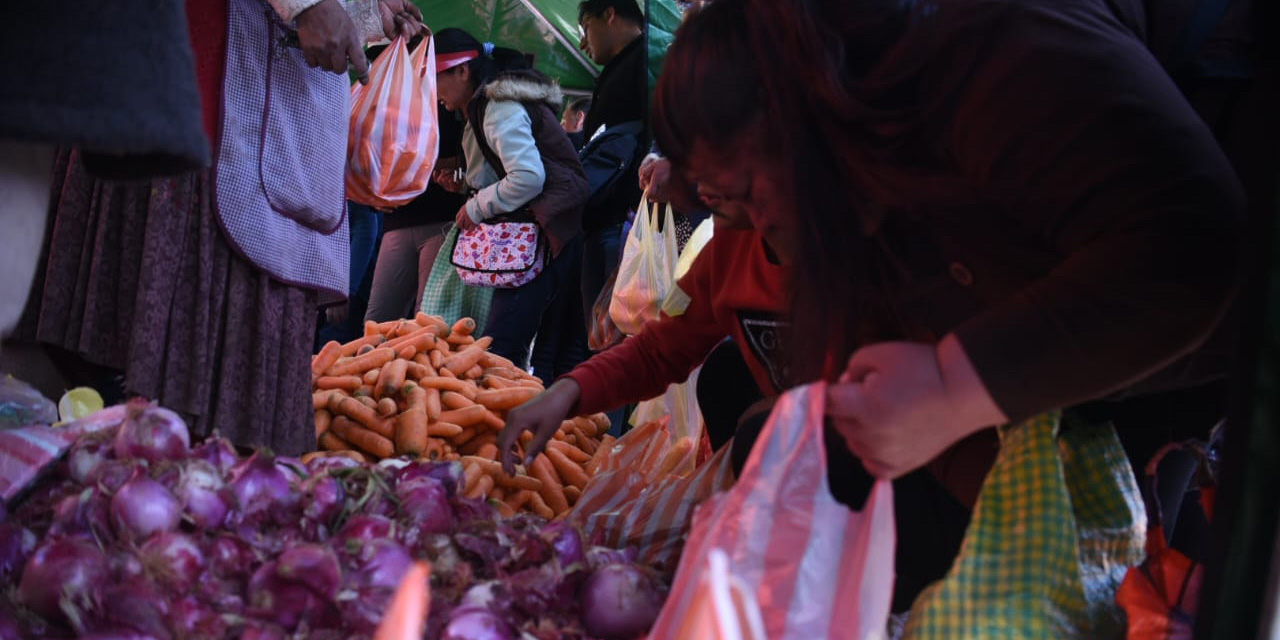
{"x":424,"y":388}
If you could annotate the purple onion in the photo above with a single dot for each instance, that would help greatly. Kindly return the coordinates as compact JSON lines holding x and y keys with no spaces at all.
{"x":230,"y":557}
{"x":360,"y":529}
{"x":138,"y":606}
{"x":193,"y":619}
{"x":477,"y":624}
{"x":566,"y":540}
{"x":69,"y":570}
{"x":86,"y":457}
{"x":424,"y":505}
{"x":173,"y":560}
{"x":152,"y":433}
{"x":279,"y":600}
{"x":112,"y":474}
{"x":218,"y":452}
{"x":324,"y":497}
{"x":448,"y":473}
{"x":323,"y":464}
{"x":314,"y":566}
{"x":381,"y":562}
{"x":143,"y":507}
{"x":200,"y":491}
{"x":621,"y":601}
{"x":258,"y":487}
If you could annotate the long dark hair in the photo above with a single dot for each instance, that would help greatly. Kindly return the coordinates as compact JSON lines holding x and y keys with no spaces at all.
{"x":848,"y":124}
{"x":486,"y":66}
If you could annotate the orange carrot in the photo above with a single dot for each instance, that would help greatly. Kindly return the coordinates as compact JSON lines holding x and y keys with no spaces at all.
{"x":464,"y":417}
{"x":482,"y":487}
{"x":329,"y":441}
{"x":491,"y":467}
{"x":361,"y":438}
{"x":411,"y":433}
{"x":344,"y":383}
{"x":361,"y":364}
{"x":328,"y":355}
{"x":320,"y":399}
{"x":502,"y":399}
{"x":368,"y":401}
{"x":371,"y":328}
{"x":351,"y":348}
{"x":488,"y":450}
{"x":571,"y":452}
{"x":364,"y":390}
{"x":459,"y":340}
{"x":572,"y":493}
{"x":490,"y":359}
{"x":474,"y":373}
{"x":423,"y":338}
{"x":538,"y":505}
{"x":433,"y":406}
{"x":443,"y":429}
{"x":459,"y":362}
{"x":493,"y":420}
{"x":416,"y":372}
{"x":371,"y":376}
{"x":464,"y":326}
{"x":585,"y":443}
{"x":606,"y":445}
{"x":450,"y":384}
{"x":387,"y":407}
{"x":436,"y":357}
{"x":552,"y":489}
{"x":323,"y":418}
{"x":566,"y":468}
{"x":392,"y":377}
{"x":490,"y":381}
{"x":407,"y":352}
{"x":362,"y":415}
{"x":454,"y":400}
{"x":410,"y":606}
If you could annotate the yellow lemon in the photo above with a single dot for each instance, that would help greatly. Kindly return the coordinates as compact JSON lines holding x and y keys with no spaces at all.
{"x":78,"y":403}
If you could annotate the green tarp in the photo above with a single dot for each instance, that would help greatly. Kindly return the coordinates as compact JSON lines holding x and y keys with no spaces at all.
{"x":549,"y":30}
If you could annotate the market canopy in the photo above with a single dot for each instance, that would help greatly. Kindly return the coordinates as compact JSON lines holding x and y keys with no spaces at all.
{"x":549,"y":30}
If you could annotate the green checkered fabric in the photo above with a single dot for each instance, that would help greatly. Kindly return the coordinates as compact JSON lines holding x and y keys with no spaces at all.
{"x":447,"y":296}
{"x":1058,"y":522}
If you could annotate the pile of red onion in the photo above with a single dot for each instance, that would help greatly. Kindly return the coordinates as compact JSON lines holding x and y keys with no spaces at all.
{"x":139,"y":536}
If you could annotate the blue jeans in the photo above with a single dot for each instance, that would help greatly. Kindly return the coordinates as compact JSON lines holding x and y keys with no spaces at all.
{"x":601,"y":251}
{"x":365,"y":229}
{"x":518,"y":316}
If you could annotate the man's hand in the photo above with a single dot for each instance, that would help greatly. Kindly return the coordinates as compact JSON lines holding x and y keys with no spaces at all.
{"x":900,"y":404}
{"x":328,"y":39}
{"x":655,"y":174}
{"x":400,"y":18}
{"x":541,"y":415}
{"x":463,"y":219}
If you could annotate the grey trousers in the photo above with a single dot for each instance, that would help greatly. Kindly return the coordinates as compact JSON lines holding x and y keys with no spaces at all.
{"x":400,"y":275}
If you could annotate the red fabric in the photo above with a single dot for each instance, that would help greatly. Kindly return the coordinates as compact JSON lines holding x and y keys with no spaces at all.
{"x":207,"y":26}
{"x":731,"y":280}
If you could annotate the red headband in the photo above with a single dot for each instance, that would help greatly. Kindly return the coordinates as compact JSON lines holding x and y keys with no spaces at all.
{"x":446,"y":61}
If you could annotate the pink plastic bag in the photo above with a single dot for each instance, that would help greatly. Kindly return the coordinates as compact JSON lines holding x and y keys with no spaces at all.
{"x":818,"y":570}
{"x":393,"y":138}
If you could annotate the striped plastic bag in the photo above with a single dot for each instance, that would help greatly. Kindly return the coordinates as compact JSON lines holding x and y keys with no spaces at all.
{"x":393,"y":138}
{"x":645,"y":491}
{"x":816,"y":568}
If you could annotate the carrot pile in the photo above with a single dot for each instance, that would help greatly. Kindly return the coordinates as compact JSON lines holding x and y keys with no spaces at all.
{"x":423,"y":388}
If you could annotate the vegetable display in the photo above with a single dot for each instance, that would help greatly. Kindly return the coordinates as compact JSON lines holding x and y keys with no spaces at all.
{"x":138,"y":535}
{"x":423,"y":388}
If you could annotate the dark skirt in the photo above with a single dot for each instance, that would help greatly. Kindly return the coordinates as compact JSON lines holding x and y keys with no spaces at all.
{"x":140,"y":279}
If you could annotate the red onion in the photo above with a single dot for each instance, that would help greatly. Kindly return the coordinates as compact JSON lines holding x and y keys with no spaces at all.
{"x":87,"y":455}
{"x":230,"y":557}
{"x":314,"y":566}
{"x":143,"y":507}
{"x":621,"y":601}
{"x":567,"y":542}
{"x":477,"y":624}
{"x":218,"y":452}
{"x":200,"y":491}
{"x":282,"y":601}
{"x":152,"y":433}
{"x":138,"y":606}
{"x":381,"y":562}
{"x":112,"y":474}
{"x":63,"y":572}
{"x":360,"y":529}
{"x":173,"y":560}
{"x":324,"y":497}
{"x":424,"y":505}
{"x":258,"y":486}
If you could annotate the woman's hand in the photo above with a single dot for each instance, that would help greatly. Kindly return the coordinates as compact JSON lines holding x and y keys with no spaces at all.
{"x":400,"y":18}
{"x":463,"y":219}
{"x":655,"y":176}
{"x":541,"y":415}
{"x":449,"y":177}
{"x":900,"y":404}
{"x":328,"y":39}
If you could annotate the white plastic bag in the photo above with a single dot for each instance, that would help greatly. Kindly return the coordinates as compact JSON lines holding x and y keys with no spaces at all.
{"x":817,"y":569}
{"x":723,"y":609}
{"x":647,"y":270}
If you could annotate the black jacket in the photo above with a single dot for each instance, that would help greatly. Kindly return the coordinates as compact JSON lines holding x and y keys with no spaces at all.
{"x":620,"y":96}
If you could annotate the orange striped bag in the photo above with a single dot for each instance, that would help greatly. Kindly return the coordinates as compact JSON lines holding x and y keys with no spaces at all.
{"x":393,"y":136}
{"x":644,"y":494}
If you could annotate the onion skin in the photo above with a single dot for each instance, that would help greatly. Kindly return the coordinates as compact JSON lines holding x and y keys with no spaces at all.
{"x":174,"y":560}
{"x":477,"y":624}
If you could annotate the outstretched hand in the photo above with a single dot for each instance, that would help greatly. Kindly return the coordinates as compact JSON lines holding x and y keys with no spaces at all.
{"x":541,"y":415}
{"x":328,"y":39}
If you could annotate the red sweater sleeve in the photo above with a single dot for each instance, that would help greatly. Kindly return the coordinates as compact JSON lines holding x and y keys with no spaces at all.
{"x":664,"y":352}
